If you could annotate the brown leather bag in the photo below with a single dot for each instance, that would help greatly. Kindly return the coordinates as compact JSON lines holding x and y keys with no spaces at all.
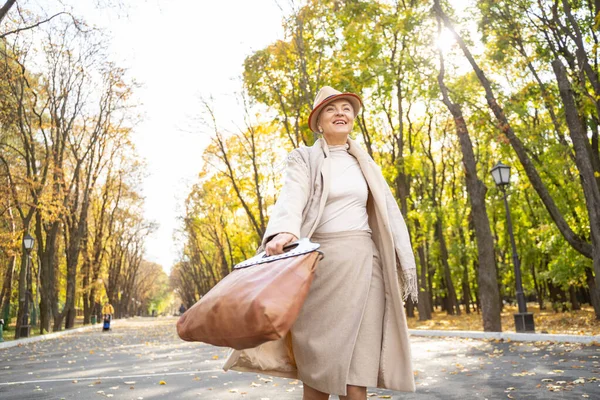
{"x":257,"y":302}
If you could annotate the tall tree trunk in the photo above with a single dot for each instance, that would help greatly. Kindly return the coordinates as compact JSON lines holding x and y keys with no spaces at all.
{"x":573,"y":298}
{"x":583,"y":161}
{"x":538,"y":288}
{"x":5,"y":8}
{"x":488,"y":284}
{"x":593,"y":288}
{"x":69,"y":310}
{"x":22,"y":292}
{"x":423,"y":306}
{"x":466,"y":291}
{"x":7,"y":289}
{"x":466,"y":287}
{"x":86,"y":281}
{"x":452,"y":302}
{"x":9,"y":273}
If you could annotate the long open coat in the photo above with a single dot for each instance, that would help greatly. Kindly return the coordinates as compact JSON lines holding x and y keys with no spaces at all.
{"x":298,"y":211}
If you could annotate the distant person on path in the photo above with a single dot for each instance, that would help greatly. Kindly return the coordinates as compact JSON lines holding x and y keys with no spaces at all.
{"x":108,"y":311}
{"x":181,"y":309}
{"x":351,"y":332}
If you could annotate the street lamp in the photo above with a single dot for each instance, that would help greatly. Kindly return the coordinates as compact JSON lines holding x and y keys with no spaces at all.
{"x":523,"y":319}
{"x":28,"y":242}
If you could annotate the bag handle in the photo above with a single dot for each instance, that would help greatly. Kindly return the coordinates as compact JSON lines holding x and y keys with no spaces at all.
{"x":299,"y":247}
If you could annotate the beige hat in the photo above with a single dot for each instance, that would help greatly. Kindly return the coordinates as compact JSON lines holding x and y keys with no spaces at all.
{"x":326,"y":95}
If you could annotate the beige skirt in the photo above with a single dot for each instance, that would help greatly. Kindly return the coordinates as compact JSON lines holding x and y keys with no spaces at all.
{"x":337,"y":336}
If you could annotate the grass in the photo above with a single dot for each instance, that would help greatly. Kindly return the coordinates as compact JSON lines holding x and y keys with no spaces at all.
{"x":580,"y":322}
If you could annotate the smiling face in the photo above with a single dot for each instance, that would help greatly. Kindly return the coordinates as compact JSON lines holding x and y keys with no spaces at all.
{"x":336,"y":121}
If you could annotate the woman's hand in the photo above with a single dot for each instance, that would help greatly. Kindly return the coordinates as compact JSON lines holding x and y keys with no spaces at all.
{"x":275,"y":245}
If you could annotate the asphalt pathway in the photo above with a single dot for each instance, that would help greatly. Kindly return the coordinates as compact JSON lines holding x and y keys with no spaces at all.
{"x":143,"y":358}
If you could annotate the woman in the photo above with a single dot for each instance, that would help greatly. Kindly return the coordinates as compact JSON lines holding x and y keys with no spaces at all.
{"x":351,"y":332}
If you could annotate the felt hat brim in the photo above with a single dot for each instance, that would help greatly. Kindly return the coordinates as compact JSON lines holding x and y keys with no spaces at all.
{"x":314,"y":114}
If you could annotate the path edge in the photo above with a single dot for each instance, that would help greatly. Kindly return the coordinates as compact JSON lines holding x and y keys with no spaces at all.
{"x":512,"y":336}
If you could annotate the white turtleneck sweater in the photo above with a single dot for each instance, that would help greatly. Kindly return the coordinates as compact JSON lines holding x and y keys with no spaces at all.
{"x":346,"y":206}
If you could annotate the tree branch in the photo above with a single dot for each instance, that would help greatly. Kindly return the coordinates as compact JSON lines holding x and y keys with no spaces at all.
{"x":3,"y":35}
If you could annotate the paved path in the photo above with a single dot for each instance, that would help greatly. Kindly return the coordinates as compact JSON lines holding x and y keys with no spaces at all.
{"x":143,"y":358}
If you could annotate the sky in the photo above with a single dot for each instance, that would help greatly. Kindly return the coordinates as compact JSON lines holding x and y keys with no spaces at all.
{"x":181,"y":51}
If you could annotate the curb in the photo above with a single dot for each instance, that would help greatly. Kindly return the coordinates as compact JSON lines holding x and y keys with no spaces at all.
{"x":49,"y":336}
{"x":515,"y":337}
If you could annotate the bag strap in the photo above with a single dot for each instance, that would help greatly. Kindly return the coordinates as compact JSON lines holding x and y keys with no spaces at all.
{"x":299,"y":247}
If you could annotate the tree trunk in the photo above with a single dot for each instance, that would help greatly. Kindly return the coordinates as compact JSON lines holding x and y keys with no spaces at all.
{"x":488,"y":284}
{"x":592,"y":286}
{"x":452,"y":302}
{"x":5,"y":8}
{"x":538,"y":288}
{"x":583,"y":161}
{"x":410,"y":309}
{"x":7,"y":289}
{"x":573,"y":298}
{"x":48,"y":304}
{"x":466,"y":291}
{"x":22,"y":292}
{"x":423,"y":306}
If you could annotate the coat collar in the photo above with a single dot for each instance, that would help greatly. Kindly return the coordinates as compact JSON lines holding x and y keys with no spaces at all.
{"x":354,"y":149}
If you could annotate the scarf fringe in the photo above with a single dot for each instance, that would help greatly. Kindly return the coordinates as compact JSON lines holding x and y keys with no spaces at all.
{"x":409,"y":284}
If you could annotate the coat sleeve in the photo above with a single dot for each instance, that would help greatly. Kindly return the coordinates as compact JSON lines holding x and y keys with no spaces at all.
{"x":286,"y":215}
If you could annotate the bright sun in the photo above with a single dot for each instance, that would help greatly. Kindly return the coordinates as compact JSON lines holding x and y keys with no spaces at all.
{"x":445,"y":40}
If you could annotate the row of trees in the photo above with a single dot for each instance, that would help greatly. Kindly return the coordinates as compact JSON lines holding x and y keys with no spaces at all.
{"x":68,"y":175}
{"x":446,"y":97}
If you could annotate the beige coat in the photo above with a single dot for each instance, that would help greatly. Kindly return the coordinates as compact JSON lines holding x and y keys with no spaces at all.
{"x":297,"y":211}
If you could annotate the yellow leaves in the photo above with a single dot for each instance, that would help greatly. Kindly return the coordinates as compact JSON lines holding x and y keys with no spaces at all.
{"x":162,"y":383}
{"x":215,"y":357}
{"x":579,"y":322}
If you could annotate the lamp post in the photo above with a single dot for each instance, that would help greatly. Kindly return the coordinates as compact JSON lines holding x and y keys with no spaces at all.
{"x":523,"y":319}
{"x":28,"y":242}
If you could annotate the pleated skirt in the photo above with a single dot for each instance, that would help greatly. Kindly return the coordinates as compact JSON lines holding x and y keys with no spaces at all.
{"x":337,"y":337}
